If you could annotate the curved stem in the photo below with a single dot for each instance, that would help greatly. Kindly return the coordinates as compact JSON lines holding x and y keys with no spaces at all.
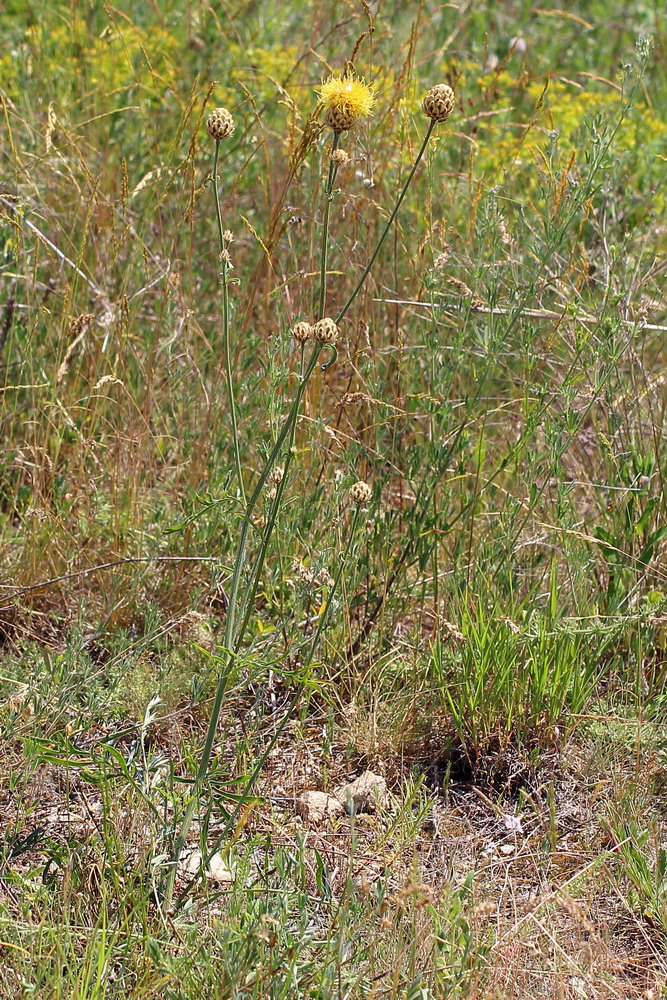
{"x":333,"y":167}
{"x":389,"y":224}
{"x":225,"y":327}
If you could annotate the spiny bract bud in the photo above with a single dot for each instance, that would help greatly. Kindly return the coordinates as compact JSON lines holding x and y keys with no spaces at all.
{"x":360,"y":493}
{"x":325,"y":331}
{"x":438,"y":103}
{"x":220,"y":124}
{"x":302,"y":332}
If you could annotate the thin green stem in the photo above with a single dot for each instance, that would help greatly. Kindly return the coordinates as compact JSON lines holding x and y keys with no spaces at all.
{"x":389,"y":224}
{"x":231,"y":639}
{"x":333,"y":167}
{"x":243,"y":798}
{"x":225,"y":327}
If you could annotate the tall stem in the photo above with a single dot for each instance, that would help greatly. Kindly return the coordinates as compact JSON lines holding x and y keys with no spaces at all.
{"x":333,"y":167}
{"x":225,"y":327}
{"x":324,"y":618}
{"x":389,"y":224}
{"x":231,"y":639}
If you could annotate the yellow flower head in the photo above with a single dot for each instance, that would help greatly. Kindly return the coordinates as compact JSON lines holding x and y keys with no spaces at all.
{"x":344,"y":100}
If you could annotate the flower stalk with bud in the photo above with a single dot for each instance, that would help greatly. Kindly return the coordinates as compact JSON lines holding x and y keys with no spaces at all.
{"x":220,"y":125}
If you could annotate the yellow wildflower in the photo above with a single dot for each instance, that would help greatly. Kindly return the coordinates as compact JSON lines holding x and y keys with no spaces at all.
{"x":344,"y":100}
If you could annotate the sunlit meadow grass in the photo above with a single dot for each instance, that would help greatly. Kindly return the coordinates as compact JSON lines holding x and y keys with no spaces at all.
{"x":487,"y":631}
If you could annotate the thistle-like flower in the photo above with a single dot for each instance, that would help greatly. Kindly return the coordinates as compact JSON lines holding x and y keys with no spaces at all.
{"x":325,"y":331}
{"x":438,"y":103}
{"x":360,"y":493}
{"x":302,"y":332}
{"x":220,"y":124}
{"x":344,"y":100}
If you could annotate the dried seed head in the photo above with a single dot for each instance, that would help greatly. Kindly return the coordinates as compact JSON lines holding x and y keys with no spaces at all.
{"x":440,"y":262}
{"x":276,"y":474}
{"x":302,"y":332}
{"x":438,"y":103}
{"x":325,"y":331}
{"x":226,"y":257}
{"x":220,"y":124}
{"x":360,"y":493}
{"x":340,"y":157}
{"x":228,"y":236}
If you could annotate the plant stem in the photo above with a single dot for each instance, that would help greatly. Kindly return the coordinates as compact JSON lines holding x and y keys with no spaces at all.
{"x":389,"y":224}
{"x":324,"y":618}
{"x":231,"y":639}
{"x":234,"y":637}
{"x":225,"y":327}
{"x":333,"y":167}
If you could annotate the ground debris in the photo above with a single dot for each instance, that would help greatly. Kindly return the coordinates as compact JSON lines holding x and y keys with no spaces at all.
{"x":364,"y":794}
{"x":317,"y":807}
{"x":217,"y":868}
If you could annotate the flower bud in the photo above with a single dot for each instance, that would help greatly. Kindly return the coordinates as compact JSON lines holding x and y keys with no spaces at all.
{"x":438,"y":103}
{"x":325,"y":331}
{"x":360,"y":493}
{"x":302,"y":332}
{"x":220,"y":124}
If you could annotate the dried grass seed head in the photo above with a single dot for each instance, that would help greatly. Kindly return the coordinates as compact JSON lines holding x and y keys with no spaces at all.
{"x":325,"y":331}
{"x":438,"y":103}
{"x":302,"y":332}
{"x":220,"y":124}
{"x":360,"y":493}
{"x":345,"y":99}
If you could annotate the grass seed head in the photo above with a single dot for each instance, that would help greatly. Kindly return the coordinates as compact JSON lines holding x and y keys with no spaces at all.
{"x":345,"y":99}
{"x":438,"y":103}
{"x":325,"y":331}
{"x":302,"y":332}
{"x":220,"y":124}
{"x":360,"y":493}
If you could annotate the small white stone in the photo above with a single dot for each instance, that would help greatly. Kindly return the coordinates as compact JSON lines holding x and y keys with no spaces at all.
{"x":315,"y":808}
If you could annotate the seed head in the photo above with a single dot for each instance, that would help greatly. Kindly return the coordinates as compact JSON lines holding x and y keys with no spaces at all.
{"x":438,"y":103}
{"x":325,"y":331}
{"x":277,"y":473}
{"x":345,"y":99}
{"x":228,"y":236}
{"x":302,"y":332}
{"x":220,"y":124}
{"x":360,"y":493}
{"x":340,"y":157}
{"x":226,"y":257}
